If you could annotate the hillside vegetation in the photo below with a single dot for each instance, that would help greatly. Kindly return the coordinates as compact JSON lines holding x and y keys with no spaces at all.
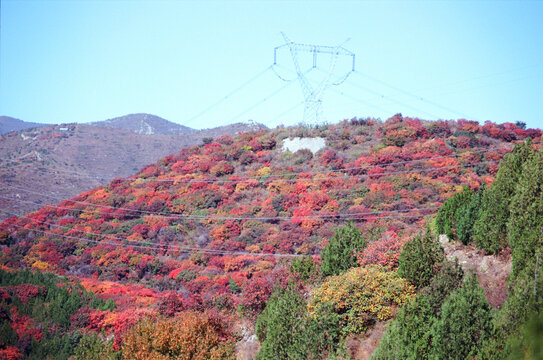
{"x":235,"y":237}
{"x":56,"y":162}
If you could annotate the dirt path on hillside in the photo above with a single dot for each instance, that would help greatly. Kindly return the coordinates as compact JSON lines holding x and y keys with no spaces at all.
{"x":492,"y":270}
{"x":361,"y":347}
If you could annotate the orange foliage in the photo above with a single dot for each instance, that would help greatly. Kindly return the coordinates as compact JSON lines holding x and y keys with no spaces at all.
{"x":191,"y":336}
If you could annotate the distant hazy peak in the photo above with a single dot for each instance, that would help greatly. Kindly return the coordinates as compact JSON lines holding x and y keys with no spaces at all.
{"x":145,"y":124}
{"x":8,"y":124}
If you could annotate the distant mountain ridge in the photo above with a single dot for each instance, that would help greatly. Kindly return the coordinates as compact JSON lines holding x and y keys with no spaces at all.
{"x":68,"y":159}
{"x":144,"y":124}
{"x":8,"y":124}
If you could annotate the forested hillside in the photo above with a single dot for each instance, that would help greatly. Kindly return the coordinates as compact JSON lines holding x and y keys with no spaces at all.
{"x":236,"y":237}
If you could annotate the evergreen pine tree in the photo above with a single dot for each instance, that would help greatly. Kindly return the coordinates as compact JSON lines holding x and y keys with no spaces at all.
{"x":448,"y":279}
{"x":286,"y":331}
{"x":465,"y":322}
{"x":525,"y":226}
{"x":446,"y":215}
{"x":340,"y":253}
{"x":466,"y":216}
{"x":409,"y":335}
{"x":490,"y":229}
{"x":279,"y":324}
{"x":419,"y":259}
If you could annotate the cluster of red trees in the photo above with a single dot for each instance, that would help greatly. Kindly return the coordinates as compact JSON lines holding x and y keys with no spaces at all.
{"x":205,"y":228}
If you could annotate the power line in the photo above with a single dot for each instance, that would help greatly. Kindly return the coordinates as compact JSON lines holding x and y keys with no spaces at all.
{"x":434,"y":89}
{"x":405,"y":92}
{"x":272,"y":177}
{"x":228,"y":95}
{"x":286,"y":111}
{"x":260,"y":102}
{"x":340,"y":216}
{"x":190,"y":217}
{"x":138,"y":242}
{"x":379,"y":95}
{"x":154,"y":246}
{"x":364,"y":102}
{"x":100,"y":179}
{"x":289,"y":174}
{"x":414,"y":171}
{"x":216,"y":252}
{"x":167,"y":247}
{"x":464,"y":90}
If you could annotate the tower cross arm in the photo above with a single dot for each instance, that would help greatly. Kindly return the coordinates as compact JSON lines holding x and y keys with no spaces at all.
{"x":335,"y":50}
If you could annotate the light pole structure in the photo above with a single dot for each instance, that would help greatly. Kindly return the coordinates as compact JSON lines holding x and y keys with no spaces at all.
{"x":313,"y":92}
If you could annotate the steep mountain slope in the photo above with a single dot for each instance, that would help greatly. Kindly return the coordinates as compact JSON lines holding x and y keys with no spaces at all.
{"x":215,"y":227}
{"x":64,"y":160}
{"x":144,"y":124}
{"x":8,"y":124}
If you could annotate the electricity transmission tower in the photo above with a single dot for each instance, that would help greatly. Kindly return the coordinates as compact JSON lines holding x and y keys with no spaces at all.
{"x":313,"y":91}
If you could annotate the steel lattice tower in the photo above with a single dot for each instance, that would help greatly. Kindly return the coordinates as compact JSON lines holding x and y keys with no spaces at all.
{"x":313,"y":92}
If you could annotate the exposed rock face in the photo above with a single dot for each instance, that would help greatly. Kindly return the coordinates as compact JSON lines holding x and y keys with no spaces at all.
{"x":492,"y":270}
{"x":311,"y":144}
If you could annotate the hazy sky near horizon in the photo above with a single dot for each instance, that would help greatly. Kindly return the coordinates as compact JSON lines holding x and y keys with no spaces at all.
{"x":82,"y":61}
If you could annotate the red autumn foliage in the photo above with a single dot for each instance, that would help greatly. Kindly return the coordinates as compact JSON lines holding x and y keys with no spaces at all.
{"x":168,"y":246}
{"x":384,"y":252}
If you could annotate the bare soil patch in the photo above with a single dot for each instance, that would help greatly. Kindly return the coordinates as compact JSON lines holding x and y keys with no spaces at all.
{"x":492,"y":270}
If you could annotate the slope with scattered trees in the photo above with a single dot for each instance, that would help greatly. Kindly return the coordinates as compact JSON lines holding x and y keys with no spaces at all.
{"x":236,"y":231}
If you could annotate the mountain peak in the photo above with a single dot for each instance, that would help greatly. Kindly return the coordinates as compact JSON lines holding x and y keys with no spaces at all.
{"x":8,"y":124}
{"x":144,"y":124}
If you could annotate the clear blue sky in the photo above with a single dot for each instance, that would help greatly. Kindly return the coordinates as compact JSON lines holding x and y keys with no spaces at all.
{"x":81,"y":61}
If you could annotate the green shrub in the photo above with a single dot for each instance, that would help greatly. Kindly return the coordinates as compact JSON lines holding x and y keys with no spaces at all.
{"x":303,"y":267}
{"x":467,"y":215}
{"x":448,"y":278}
{"x":419,"y":259}
{"x":525,"y":226}
{"x":340,"y":253}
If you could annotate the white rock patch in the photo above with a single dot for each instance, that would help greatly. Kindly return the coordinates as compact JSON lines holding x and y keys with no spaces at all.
{"x":311,"y":144}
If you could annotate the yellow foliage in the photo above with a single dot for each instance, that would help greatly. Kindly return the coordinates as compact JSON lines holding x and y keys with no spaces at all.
{"x":262,"y":265}
{"x":177,"y":208}
{"x":280,"y":187}
{"x":358,"y":201}
{"x":87,"y":215}
{"x":305,"y":248}
{"x":363,"y":296}
{"x":110,"y":319}
{"x":253,"y":248}
{"x":264,"y":171}
{"x":41,"y":265}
